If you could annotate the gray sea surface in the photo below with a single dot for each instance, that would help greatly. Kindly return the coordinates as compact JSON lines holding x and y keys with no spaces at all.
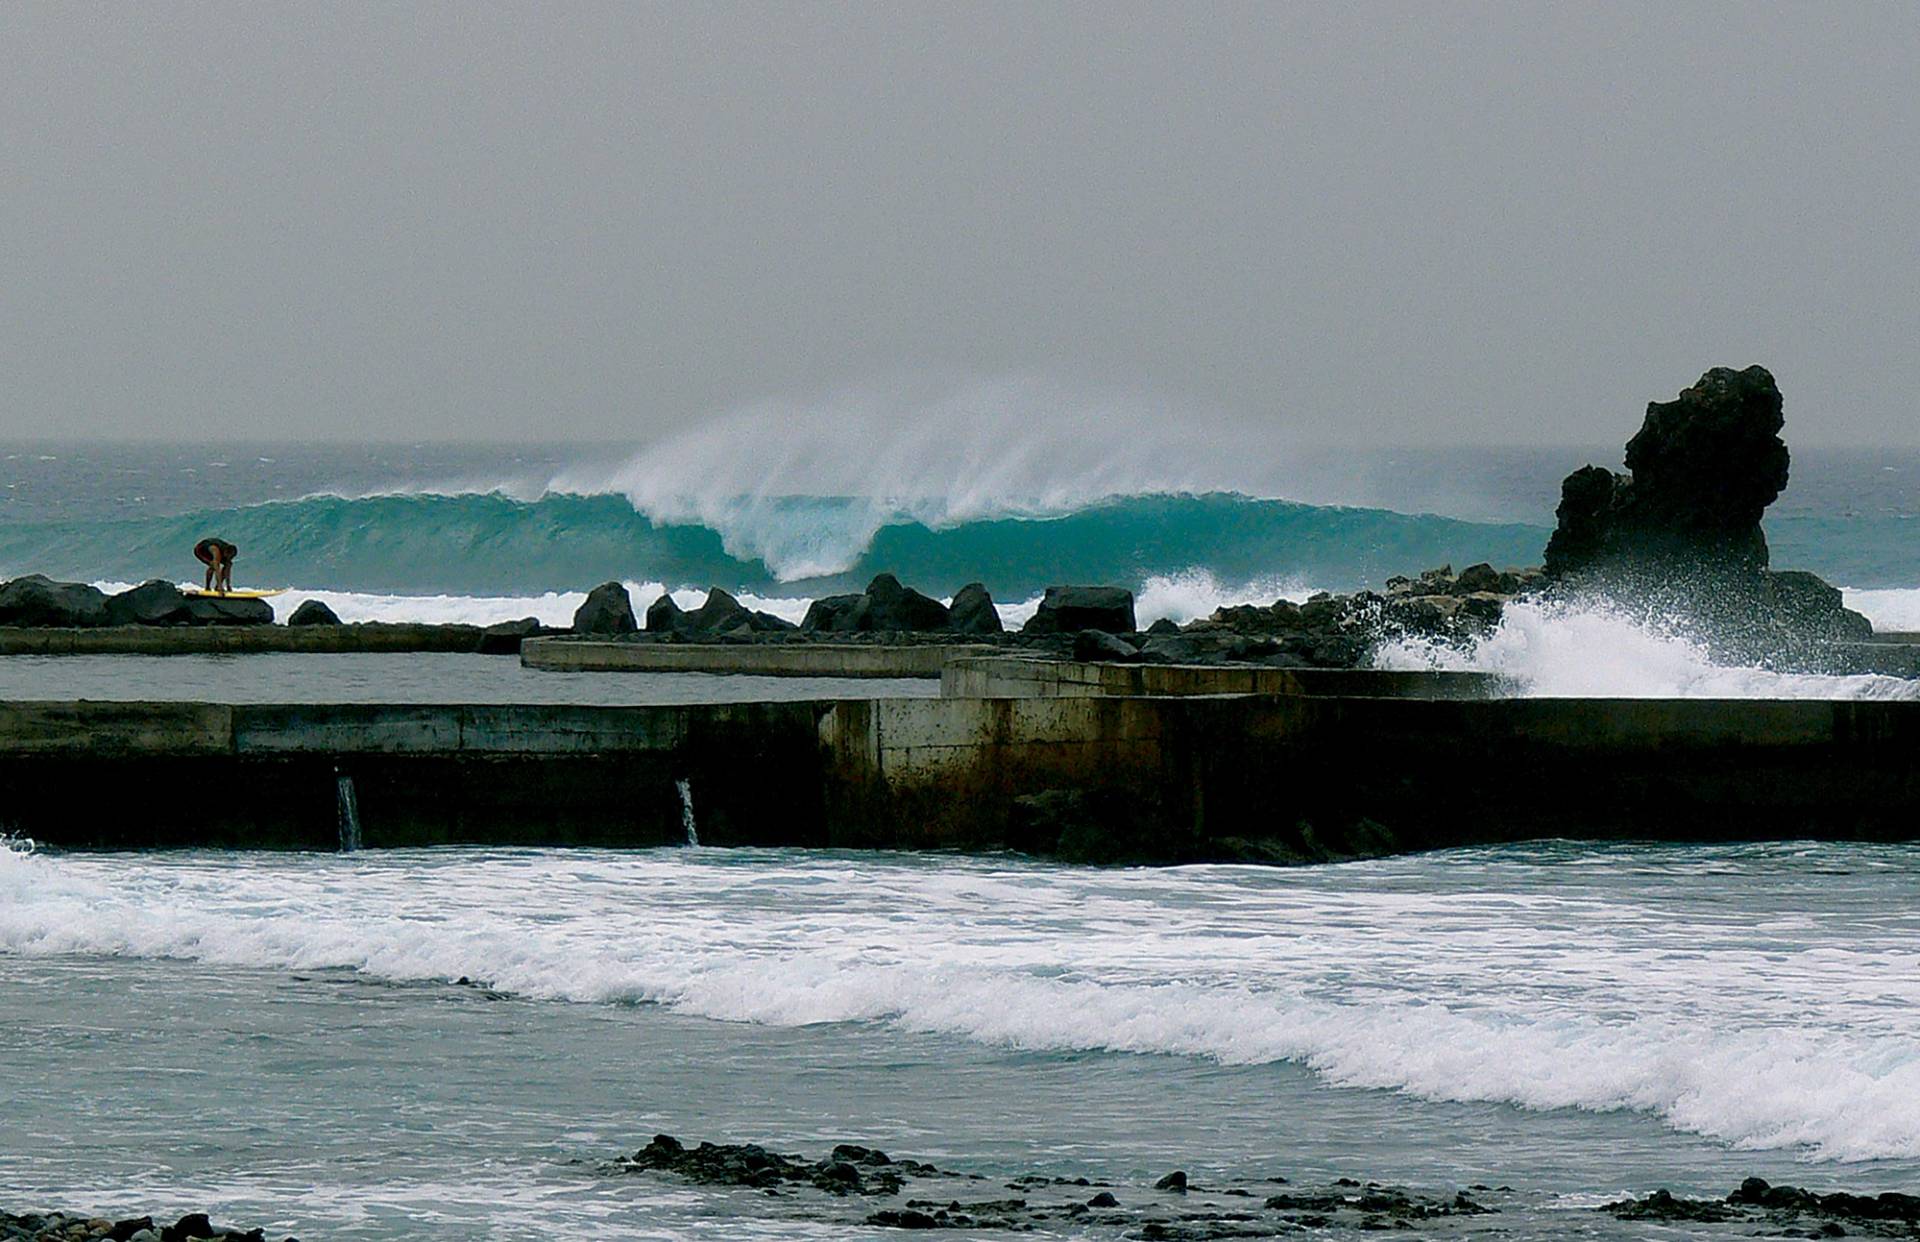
{"x":281,"y":1040}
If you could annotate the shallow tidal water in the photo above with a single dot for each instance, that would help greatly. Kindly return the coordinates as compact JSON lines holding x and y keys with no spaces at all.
{"x":279,"y":1038}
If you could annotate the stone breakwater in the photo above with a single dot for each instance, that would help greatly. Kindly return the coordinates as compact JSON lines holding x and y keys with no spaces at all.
{"x":80,"y":1227}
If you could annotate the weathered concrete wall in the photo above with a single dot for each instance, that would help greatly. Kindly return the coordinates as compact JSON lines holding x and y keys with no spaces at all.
{"x":1287,"y":778}
{"x":142,"y":775}
{"x":980,"y":677}
{"x":765,"y":659}
{"x":1280,"y":777}
{"x":241,"y":639}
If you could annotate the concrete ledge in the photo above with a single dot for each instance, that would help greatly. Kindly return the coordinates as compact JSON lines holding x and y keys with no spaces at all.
{"x":158,"y":640}
{"x":575,"y":655}
{"x":1027,"y":677}
{"x":1279,"y":777}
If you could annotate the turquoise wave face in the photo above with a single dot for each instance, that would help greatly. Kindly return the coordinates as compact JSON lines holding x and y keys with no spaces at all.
{"x":490,"y":544}
{"x":493,"y":544}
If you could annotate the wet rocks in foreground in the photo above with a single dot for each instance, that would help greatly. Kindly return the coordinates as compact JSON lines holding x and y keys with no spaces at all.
{"x":1175,"y":1208}
{"x":1790,"y":1210}
{"x":847,"y":1170}
{"x":76,"y":1227}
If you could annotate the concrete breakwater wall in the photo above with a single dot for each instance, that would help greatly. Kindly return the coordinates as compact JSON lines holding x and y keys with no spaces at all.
{"x":153,"y":640}
{"x":1093,"y":778}
{"x":764,"y":659}
{"x":1017,"y":677}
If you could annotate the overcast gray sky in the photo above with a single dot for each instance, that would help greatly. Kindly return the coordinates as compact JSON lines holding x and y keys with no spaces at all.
{"x":1363,"y":222}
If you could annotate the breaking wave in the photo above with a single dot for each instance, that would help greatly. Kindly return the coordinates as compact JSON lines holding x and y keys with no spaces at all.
{"x":493,"y":544}
{"x":1521,"y":979}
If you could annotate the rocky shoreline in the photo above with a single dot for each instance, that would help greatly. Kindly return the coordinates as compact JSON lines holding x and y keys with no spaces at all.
{"x":858,"y":1184}
{"x":82,"y":1227}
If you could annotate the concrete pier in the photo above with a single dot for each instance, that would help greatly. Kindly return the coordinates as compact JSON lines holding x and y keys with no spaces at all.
{"x":575,"y":655}
{"x":164,"y":640}
{"x":1019,"y":677}
{"x":1086,"y":777}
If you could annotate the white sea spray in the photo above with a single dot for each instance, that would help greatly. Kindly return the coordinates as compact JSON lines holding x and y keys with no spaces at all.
{"x":1595,"y":981}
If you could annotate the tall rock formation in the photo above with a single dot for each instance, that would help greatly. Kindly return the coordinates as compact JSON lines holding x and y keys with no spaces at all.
{"x":1703,"y":469}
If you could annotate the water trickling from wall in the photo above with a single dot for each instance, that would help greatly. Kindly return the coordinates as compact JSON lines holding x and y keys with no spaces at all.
{"x":686,"y":810}
{"x":349,"y":816}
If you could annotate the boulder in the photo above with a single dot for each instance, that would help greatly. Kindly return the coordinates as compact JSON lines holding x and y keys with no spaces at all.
{"x":721,"y":612}
{"x":1069,"y":609}
{"x":223,"y":610}
{"x":1811,"y":606}
{"x":972,"y":611}
{"x":505,"y":637}
{"x":1700,"y":473}
{"x":892,"y":608}
{"x":664,"y":616}
{"x":1100,"y":647}
{"x":155,"y":602}
{"x":1484,"y":577}
{"x":313,"y":612}
{"x":607,"y":610}
{"x":834,"y":614}
{"x":39,"y":601}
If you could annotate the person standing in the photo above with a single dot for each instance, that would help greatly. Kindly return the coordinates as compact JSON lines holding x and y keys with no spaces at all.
{"x":217,"y":555}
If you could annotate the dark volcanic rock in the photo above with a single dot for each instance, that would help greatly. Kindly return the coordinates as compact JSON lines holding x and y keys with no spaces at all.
{"x":154,"y":602}
{"x":894,"y":608}
{"x":972,"y":611}
{"x":40,"y":601}
{"x":834,"y":614}
{"x":505,"y":637}
{"x":216,"y":610}
{"x":848,"y":1170}
{"x":608,"y":610}
{"x":1816,"y":1215}
{"x":721,"y":612}
{"x":1069,"y":609}
{"x":664,"y":616}
{"x":1702,"y":470}
{"x":1679,"y":536}
{"x":313,"y":612}
{"x":1098,"y":646}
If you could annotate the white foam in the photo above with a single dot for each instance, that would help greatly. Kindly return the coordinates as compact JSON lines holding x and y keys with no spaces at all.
{"x":1889,"y":609}
{"x":1590,"y":650}
{"x":1783,"y":1024}
{"x":927,"y":451}
{"x":1196,"y":593}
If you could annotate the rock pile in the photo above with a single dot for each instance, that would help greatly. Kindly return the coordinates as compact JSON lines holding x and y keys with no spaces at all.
{"x":76,"y":1227}
{"x":720,"y":617}
{"x":847,"y":1170}
{"x":1174,"y":1208}
{"x":38,"y":601}
{"x":1801,"y":1213}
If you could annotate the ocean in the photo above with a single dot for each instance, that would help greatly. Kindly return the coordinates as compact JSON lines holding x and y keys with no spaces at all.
{"x":457,"y":1043}
{"x":281,"y":1040}
{"x":485,"y":533}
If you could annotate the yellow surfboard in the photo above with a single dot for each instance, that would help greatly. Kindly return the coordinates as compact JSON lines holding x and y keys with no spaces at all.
{"x":199,"y":594}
